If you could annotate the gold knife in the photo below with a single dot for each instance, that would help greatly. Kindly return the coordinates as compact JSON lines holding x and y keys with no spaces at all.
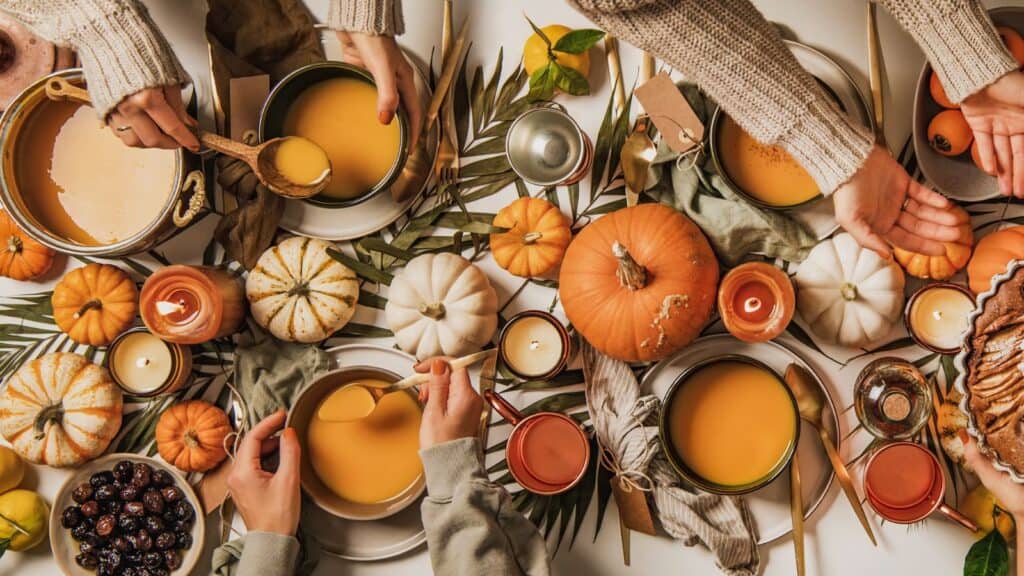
{"x":796,"y":510}
{"x":875,"y":67}
{"x":487,"y":374}
{"x":447,"y":74}
{"x":843,"y":475}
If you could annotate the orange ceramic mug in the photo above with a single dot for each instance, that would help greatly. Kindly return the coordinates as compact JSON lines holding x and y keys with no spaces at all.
{"x":547,"y":452}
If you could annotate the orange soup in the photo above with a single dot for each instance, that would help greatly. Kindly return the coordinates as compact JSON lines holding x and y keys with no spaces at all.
{"x":732,"y":423}
{"x":372,"y":459}
{"x":767,"y":173}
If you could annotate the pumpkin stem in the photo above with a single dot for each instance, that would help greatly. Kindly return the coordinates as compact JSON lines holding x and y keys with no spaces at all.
{"x":848,"y":291}
{"x":190,"y":439}
{"x":52,"y":413}
{"x":14,"y":244}
{"x":95,"y":303}
{"x":531,"y":237}
{"x":433,"y":311}
{"x":299,"y":289}
{"x":631,"y":275}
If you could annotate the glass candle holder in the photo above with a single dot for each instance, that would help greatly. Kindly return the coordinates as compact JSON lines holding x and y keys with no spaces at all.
{"x":192,"y":304}
{"x":756,"y":301}
{"x":936,"y":316}
{"x":892,"y":399}
{"x":144,"y":365}
{"x":535,"y":345}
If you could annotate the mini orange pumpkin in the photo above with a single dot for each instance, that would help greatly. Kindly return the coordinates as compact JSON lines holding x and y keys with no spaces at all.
{"x":639,"y":283}
{"x":944,"y":266}
{"x":538,"y":234}
{"x":992,"y":255}
{"x":22,"y":257}
{"x":191,"y":435}
{"x":95,"y":303}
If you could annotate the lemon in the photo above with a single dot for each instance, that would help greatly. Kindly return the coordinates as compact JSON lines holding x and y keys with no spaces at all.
{"x":12,"y":469}
{"x":535,"y":52}
{"x":978,"y":505}
{"x":29,"y":511}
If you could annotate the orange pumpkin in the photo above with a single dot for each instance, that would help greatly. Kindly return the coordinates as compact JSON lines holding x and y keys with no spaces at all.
{"x":95,"y":303}
{"x":992,"y":255}
{"x":538,"y":234}
{"x":191,"y":435}
{"x":22,"y":258}
{"x":944,"y":266}
{"x":639,"y":283}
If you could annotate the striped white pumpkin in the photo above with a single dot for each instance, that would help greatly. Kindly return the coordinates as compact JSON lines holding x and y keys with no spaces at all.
{"x":60,"y":410}
{"x":299,"y":293}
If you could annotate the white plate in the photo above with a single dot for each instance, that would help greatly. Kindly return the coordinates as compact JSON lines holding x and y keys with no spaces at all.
{"x":373,"y":539}
{"x":65,"y":548}
{"x":769,"y":505}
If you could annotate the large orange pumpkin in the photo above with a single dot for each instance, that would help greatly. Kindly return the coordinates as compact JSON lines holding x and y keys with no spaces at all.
{"x":991,"y":256}
{"x":22,"y":258}
{"x":95,"y":303}
{"x":537,"y":236}
{"x":639,"y":283}
{"x":191,"y":435}
{"x":941,"y":267}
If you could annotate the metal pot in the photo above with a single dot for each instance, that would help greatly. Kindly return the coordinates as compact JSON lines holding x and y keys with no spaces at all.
{"x":186,"y":193}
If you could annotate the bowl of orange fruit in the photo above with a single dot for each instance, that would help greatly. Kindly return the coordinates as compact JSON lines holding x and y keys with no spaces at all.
{"x":943,"y":142}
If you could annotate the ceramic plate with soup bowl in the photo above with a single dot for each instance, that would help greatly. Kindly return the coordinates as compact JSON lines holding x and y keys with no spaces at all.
{"x":729,"y":425}
{"x":365,"y":469}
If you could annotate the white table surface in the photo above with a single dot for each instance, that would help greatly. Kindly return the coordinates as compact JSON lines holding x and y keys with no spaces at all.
{"x":835,"y":543}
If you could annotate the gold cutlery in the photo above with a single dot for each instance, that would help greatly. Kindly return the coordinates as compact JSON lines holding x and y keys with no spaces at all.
{"x":875,"y":68}
{"x":796,"y":496}
{"x":611,"y":50}
{"x":487,"y":374}
{"x":447,"y":169}
{"x":639,"y":150}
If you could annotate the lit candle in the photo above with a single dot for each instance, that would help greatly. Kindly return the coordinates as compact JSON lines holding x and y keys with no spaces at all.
{"x":937,"y":316}
{"x":145,"y":365}
{"x":192,"y":304}
{"x":534,"y":345}
{"x":756,"y":301}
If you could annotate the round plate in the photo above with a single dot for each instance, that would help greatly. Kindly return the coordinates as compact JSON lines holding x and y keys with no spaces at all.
{"x":372,"y":539}
{"x":769,"y":505}
{"x":956,"y":177}
{"x":308,"y":219}
{"x":64,"y":546}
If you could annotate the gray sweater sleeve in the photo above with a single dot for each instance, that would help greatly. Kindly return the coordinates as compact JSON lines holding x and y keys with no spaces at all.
{"x":472,"y":526}
{"x":267,"y":554}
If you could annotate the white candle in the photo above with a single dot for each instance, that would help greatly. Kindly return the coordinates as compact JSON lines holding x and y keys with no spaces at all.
{"x":938,"y":316}
{"x":532,"y":346}
{"x":141,"y":362}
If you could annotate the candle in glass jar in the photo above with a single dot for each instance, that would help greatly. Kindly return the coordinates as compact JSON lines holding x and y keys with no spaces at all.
{"x":533,"y":345}
{"x":192,"y":304}
{"x":145,"y":365}
{"x":937,"y":316}
{"x":756,"y":301}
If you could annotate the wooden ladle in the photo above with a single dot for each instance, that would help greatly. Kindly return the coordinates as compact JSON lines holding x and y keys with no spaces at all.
{"x":260,"y":158}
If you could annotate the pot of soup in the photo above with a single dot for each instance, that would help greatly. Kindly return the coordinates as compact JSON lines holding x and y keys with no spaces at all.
{"x":334,"y":105}
{"x":75,"y":187}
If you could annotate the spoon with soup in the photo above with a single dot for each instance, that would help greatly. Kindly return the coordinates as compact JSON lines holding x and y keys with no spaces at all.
{"x":292,"y":166}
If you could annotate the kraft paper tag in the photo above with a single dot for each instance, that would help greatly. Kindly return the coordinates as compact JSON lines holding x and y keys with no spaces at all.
{"x":213,"y":487}
{"x":247,"y":96}
{"x":633,"y":508}
{"x":671,"y":113}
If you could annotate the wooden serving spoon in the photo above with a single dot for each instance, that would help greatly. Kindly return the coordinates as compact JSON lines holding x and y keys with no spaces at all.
{"x":260,"y":158}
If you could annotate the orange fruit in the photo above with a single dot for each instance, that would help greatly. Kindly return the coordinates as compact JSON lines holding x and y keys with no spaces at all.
{"x":1014,"y":42}
{"x":949,"y":134}
{"x":535,"y":52}
{"x":939,"y":93}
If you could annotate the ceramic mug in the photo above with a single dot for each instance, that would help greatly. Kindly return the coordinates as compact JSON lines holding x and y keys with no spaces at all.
{"x":547,"y":452}
{"x":904,"y":483}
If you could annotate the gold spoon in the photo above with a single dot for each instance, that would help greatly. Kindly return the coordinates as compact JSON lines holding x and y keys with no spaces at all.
{"x":639,"y":150}
{"x":811,"y":403}
{"x":260,"y":158}
{"x":796,"y":496}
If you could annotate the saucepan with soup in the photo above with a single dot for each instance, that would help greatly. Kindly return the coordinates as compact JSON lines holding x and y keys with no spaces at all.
{"x":75,"y":187}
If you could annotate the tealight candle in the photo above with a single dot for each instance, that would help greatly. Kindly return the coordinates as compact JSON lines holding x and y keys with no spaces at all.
{"x":192,"y":304}
{"x":144,"y":365}
{"x":936,"y":316}
{"x":534,"y":344}
{"x":756,"y":301}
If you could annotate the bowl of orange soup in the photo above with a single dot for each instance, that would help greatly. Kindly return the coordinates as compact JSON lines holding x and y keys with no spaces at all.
{"x":361,"y":469}
{"x":334,"y":105}
{"x":729,"y":425}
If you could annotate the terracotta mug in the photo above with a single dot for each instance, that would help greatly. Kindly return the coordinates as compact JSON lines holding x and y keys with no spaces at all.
{"x":547,"y":452}
{"x":904,"y":483}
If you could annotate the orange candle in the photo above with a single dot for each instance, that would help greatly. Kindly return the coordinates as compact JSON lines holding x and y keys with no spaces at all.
{"x":756,"y":301}
{"x":192,"y":304}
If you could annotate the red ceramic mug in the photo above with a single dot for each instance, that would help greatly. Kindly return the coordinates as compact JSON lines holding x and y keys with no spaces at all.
{"x":547,"y":452}
{"x":904,"y":483}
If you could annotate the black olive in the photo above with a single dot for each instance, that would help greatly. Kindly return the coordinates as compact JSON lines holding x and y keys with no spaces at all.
{"x":134,"y":509}
{"x":153,"y":502}
{"x":164,"y":541}
{"x":87,"y":561}
{"x":79,"y":532}
{"x":172,"y":560}
{"x":153,"y":559}
{"x":172,"y":493}
{"x":90,"y":509}
{"x":160,"y":571}
{"x":119,"y":543}
{"x":105,"y":525}
{"x":143,"y":571}
{"x":183,"y":540}
{"x":105,"y":492}
{"x":143,"y":541}
{"x":133,"y":556}
{"x":87,"y":547}
{"x":142,"y":474}
{"x":71,"y":517}
{"x":182,"y":526}
{"x":162,"y":478}
{"x":128,"y":570}
{"x":82,"y":493}
{"x":153,"y":524}
{"x":168,"y":515}
{"x":100,"y":478}
{"x":127,"y":523}
{"x":105,"y":569}
{"x":114,"y":507}
{"x":130,"y":492}
{"x":123,"y":470}
{"x":184,"y":511}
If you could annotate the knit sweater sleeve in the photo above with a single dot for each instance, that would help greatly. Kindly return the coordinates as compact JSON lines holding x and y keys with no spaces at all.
{"x":380,"y":17}
{"x":738,"y":58}
{"x":119,"y":45}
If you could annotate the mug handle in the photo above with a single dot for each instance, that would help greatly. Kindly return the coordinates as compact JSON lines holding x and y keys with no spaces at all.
{"x":195,"y":181}
{"x":507,"y":411}
{"x":956,"y":516}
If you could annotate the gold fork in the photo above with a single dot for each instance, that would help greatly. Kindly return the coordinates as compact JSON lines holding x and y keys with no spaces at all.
{"x":447,"y":169}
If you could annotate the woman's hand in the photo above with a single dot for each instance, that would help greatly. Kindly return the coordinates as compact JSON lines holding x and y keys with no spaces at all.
{"x":154,"y":118}
{"x":1009,"y":494}
{"x":996,"y":115}
{"x":452,"y":409}
{"x":882,"y":206}
{"x":268,"y":502}
{"x":392,"y":73}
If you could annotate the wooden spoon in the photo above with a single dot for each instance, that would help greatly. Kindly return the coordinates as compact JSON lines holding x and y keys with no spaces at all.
{"x":260,"y":158}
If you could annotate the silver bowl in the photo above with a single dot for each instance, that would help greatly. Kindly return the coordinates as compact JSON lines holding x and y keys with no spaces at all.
{"x":546,"y":147}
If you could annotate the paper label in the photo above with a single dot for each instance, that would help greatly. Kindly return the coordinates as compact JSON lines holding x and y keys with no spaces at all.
{"x":633,"y":508}
{"x":671,"y":113}
{"x":247,"y":96}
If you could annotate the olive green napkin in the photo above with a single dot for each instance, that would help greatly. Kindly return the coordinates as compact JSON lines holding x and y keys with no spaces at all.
{"x":226,"y":557}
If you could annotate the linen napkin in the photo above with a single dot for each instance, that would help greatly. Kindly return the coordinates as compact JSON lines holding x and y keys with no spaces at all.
{"x":226,"y":556}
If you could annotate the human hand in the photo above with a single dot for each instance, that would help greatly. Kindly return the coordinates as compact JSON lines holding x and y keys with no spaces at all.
{"x":883,"y":205}
{"x":154,"y":118}
{"x":392,"y":73}
{"x":1009,"y":494}
{"x":268,"y":502}
{"x":452,"y":409}
{"x":996,"y":116}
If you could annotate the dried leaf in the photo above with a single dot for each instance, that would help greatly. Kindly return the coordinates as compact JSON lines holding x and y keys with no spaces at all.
{"x":362,"y":269}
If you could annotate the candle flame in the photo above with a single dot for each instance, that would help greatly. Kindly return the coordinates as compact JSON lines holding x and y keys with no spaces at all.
{"x":165,"y":308}
{"x":937,"y":314}
{"x":751,"y":305}
{"x":534,"y":345}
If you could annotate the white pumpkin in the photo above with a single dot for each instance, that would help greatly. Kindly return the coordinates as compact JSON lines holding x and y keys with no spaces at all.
{"x":441,"y":305}
{"x":60,"y":410}
{"x":849,"y":295}
{"x":299,"y":293}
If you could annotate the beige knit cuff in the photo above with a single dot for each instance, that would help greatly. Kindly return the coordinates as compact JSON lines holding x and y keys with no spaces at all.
{"x":122,"y":52}
{"x":379,"y":17}
{"x":830,"y":145}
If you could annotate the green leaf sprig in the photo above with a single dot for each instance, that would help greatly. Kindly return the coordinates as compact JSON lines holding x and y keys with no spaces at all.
{"x":553,"y":76}
{"x":988,"y":556}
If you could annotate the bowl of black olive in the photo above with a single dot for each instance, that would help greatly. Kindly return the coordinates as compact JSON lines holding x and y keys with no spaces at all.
{"x":126,"y":515}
